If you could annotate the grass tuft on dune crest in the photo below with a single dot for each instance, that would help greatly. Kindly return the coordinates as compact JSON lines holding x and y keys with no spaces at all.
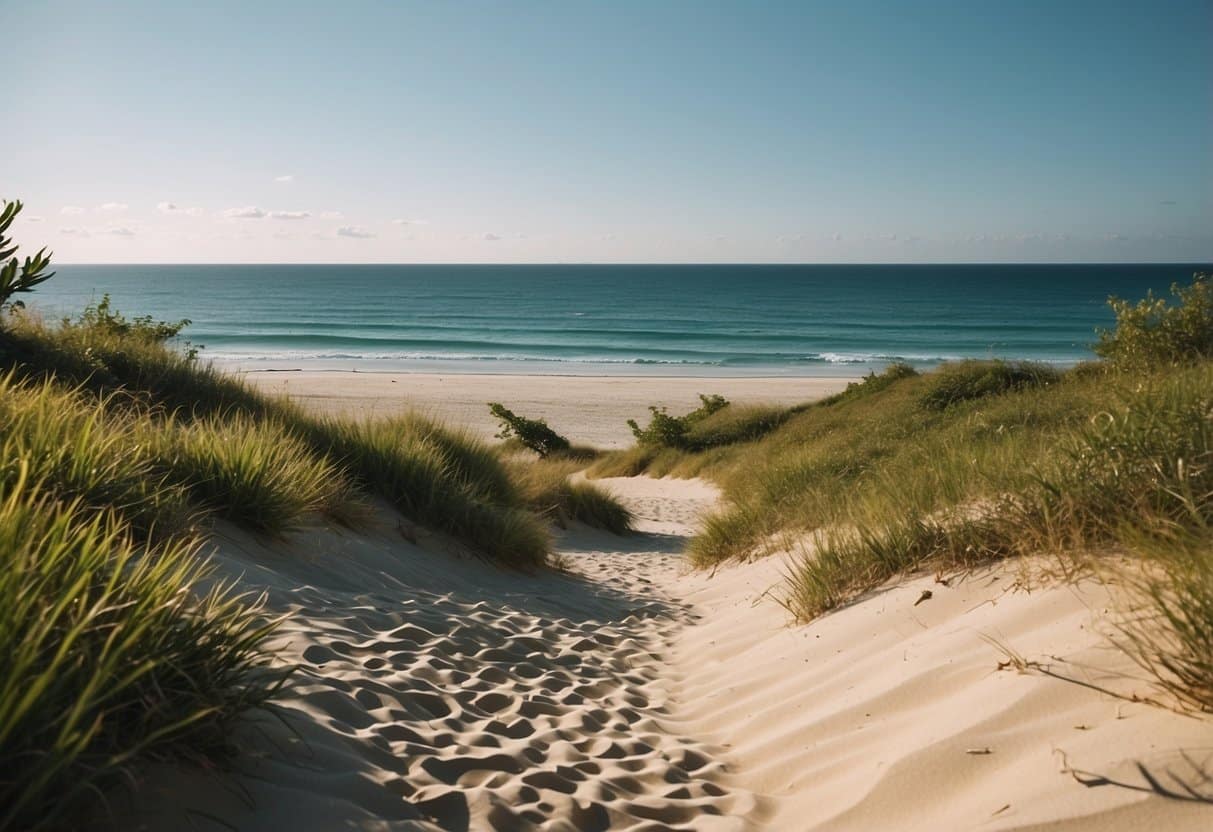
{"x":108,"y":656}
{"x":547,"y":489}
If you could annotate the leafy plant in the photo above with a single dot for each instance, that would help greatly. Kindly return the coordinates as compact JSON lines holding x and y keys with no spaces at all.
{"x":1153,"y":331}
{"x":532,"y":433}
{"x":671,"y":431}
{"x":16,"y":276}
{"x":104,"y":318}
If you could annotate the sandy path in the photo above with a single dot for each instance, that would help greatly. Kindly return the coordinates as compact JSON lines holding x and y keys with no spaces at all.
{"x":437,"y":692}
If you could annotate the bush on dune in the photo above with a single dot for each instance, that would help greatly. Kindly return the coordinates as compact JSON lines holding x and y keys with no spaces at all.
{"x":533,"y":434}
{"x":669,"y":431}
{"x":1153,"y":332}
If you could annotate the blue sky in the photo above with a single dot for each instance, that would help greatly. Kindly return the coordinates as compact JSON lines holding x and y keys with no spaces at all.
{"x":611,"y":132}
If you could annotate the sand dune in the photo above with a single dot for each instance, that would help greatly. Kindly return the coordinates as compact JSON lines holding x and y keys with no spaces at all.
{"x":437,"y":692}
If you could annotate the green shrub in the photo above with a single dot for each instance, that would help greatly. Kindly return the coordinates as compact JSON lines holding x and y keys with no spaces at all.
{"x":102,"y":317}
{"x":532,"y":433}
{"x":669,"y":431}
{"x":965,"y":380}
{"x":1153,"y":332}
{"x":108,"y":657}
{"x":18,"y":277}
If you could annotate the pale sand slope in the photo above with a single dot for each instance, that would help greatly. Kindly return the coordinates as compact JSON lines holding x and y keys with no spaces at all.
{"x":437,"y":692}
{"x":590,"y":410}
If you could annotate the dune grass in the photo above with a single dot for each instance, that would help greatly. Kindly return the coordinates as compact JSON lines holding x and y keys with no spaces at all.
{"x":983,"y":460}
{"x":227,"y":439}
{"x":255,"y":474}
{"x":547,"y":490}
{"x":80,"y":451}
{"x":108,"y":656}
{"x":117,"y":452}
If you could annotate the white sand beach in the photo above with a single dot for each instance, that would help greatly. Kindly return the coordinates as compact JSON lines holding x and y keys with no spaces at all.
{"x":591,"y":410}
{"x":436,"y":691}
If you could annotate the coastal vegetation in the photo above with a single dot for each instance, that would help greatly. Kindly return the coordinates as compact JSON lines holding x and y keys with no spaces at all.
{"x":119,"y":452}
{"x":985,"y":460}
{"x":533,"y":434}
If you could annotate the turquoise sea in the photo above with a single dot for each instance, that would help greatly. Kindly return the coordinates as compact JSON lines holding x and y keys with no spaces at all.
{"x":607,"y":319}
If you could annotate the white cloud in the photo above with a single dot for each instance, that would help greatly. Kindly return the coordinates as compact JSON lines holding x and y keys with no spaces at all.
{"x":290,"y":177}
{"x":289,"y":215}
{"x":331,"y":215}
{"x":174,"y":208}
{"x":71,"y":210}
{"x":33,"y":219}
{"x":249,"y":212}
{"x":355,"y":232}
{"x":410,"y":222}
{"x":75,"y":232}
{"x":121,"y":231}
{"x":836,"y":236}
{"x":113,"y":207}
{"x":491,"y":237}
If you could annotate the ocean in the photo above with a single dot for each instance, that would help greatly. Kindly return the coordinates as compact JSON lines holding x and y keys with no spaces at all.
{"x":807,"y":320}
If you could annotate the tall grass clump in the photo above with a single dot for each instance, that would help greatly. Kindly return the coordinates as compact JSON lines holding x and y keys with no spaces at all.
{"x":255,"y":474}
{"x":108,"y":657}
{"x":81,"y":451}
{"x":442,"y":479}
{"x":1167,"y":626}
{"x":547,"y":490}
{"x":966,"y":380}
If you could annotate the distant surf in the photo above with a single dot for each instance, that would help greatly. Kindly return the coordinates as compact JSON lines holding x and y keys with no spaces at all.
{"x":694,"y":320}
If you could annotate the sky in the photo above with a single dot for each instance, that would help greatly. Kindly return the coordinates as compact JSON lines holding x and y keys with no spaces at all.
{"x":967,"y":131}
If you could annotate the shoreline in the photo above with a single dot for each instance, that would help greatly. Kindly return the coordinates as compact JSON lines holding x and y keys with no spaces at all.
{"x":588,"y":409}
